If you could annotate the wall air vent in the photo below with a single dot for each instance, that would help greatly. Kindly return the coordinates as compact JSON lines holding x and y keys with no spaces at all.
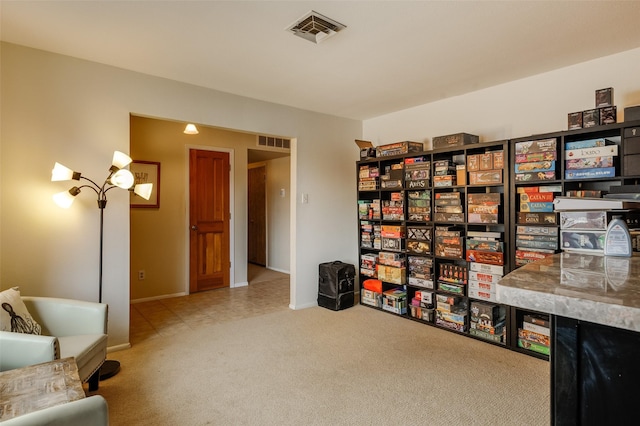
{"x":272,"y":142}
{"x":315,"y":27}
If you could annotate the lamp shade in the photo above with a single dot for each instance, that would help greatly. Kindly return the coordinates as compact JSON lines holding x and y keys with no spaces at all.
{"x":121,"y":160}
{"x":143,"y":190}
{"x":123,"y":178}
{"x":191,"y":129}
{"x":61,"y":173}
{"x":65,"y":199}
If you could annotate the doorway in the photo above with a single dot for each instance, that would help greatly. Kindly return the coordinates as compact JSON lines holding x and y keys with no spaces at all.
{"x":209,"y":216}
{"x":257,"y":214}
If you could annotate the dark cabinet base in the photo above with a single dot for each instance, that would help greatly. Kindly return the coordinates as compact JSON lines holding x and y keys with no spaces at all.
{"x":595,"y":374}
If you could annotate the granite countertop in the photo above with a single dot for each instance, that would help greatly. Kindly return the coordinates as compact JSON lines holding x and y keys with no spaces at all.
{"x":600,"y":289}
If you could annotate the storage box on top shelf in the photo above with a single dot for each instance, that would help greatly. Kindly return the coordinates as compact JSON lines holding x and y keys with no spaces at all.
{"x":456,"y":139}
{"x":399,"y":148}
{"x":367,"y":150}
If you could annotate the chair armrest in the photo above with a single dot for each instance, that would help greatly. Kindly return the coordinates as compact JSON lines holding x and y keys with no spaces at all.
{"x":20,"y":349}
{"x":91,"y":411}
{"x":67,"y":317}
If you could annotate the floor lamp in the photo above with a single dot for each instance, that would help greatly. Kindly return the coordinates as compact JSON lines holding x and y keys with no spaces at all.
{"x":118,"y":177}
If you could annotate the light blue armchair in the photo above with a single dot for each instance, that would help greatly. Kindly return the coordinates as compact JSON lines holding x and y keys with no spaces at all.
{"x":70,"y":328}
{"x":91,"y":411}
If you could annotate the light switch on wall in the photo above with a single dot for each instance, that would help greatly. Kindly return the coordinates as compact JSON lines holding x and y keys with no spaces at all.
{"x":305,"y":199}
{"x":283,"y":193}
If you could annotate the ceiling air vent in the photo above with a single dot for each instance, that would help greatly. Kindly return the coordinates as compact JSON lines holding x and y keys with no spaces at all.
{"x":315,"y":27}
{"x":272,"y":142}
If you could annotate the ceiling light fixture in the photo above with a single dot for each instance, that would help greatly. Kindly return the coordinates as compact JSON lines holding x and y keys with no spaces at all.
{"x":191,"y":129}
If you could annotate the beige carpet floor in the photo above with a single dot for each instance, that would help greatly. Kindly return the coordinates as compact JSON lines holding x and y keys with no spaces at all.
{"x":314,"y":366}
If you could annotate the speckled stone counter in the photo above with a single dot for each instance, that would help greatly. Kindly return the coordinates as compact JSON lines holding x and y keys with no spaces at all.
{"x":594,"y":307}
{"x":598,"y":289}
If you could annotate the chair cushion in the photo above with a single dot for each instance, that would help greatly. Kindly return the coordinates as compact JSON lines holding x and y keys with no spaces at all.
{"x":14,"y":315}
{"x":89,"y":350}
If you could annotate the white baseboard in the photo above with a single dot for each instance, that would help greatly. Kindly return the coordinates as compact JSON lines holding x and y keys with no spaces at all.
{"x":242,"y":284}
{"x":303,"y":306}
{"x":164,"y":296}
{"x":278,"y":270}
{"x":117,"y":348}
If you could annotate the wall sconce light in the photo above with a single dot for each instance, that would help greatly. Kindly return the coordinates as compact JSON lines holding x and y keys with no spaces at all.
{"x":191,"y":129}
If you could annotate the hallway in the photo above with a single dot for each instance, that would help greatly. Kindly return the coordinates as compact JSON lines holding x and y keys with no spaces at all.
{"x":268,"y":291}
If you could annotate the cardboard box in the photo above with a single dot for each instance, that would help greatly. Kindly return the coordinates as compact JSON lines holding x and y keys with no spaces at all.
{"x":632,"y":113}
{"x":399,"y":148}
{"x":367,"y":150}
{"x":457,"y":139}
{"x":461,"y":174}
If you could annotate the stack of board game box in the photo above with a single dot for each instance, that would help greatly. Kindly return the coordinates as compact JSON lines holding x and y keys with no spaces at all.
{"x":605,"y":112}
{"x":535,"y":160}
{"x":370,"y":235}
{"x":371,"y":292}
{"x":420,"y":271}
{"x":451,"y":312}
{"x":393,"y":237}
{"x":444,"y":173}
{"x":589,"y":159}
{"x":368,"y":178}
{"x":485,"y":254}
{"x":391,"y":267}
{"x":419,"y":239}
{"x":483,"y":207}
{"x":536,"y":230}
{"x":534,"y":335}
{"x":451,"y":305}
{"x":395,"y":300}
{"x":368,"y":263}
{"x":449,"y":242}
{"x":485,"y":168}
{"x":369,"y":209}
{"x":417,"y":173}
{"x":392,"y":177}
{"x":488,"y":321}
{"x":422,"y":305}
{"x":419,"y":206}
{"x":448,"y":207}
{"x":393,"y":208}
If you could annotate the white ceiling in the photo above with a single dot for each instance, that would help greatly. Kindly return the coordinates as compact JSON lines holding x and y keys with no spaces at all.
{"x":392,"y":55}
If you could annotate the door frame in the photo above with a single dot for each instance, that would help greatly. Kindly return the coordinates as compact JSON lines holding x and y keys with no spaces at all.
{"x":232,"y":259}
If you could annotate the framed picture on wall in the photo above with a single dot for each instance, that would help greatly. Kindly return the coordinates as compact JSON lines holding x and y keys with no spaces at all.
{"x":146,"y":172}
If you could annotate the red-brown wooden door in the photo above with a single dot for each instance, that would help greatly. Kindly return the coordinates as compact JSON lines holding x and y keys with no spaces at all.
{"x":209,"y":216}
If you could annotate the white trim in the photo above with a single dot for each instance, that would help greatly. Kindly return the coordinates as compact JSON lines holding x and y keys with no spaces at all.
{"x":232,"y":260}
{"x":293,"y":197}
{"x":278,"y":270}
{"x":163,"y":296}
{"x":303,"y":306}
{"x":117,"y":348}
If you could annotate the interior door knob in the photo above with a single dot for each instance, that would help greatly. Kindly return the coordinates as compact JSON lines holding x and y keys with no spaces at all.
{"x":194,"y":227}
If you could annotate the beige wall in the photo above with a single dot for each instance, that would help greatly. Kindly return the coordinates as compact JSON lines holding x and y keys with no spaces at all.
{"x":533,"y":105}
{"x":57,"y":108}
